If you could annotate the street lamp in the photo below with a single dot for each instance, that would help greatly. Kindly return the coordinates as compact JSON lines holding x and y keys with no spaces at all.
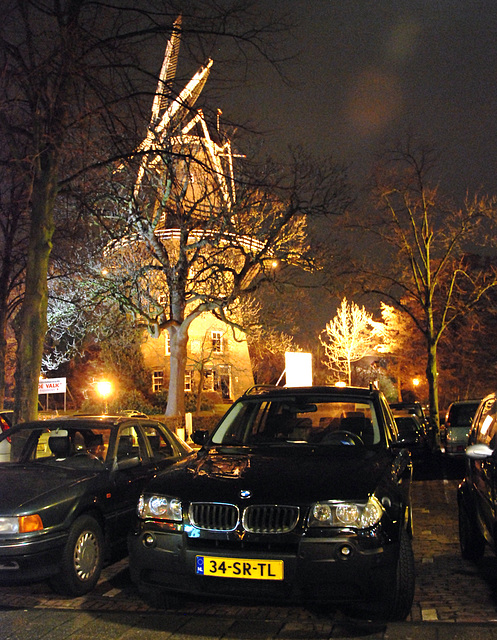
{"x":104,"y":389}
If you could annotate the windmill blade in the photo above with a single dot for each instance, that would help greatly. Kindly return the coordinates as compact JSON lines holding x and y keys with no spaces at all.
{"x":167,"y":72}
{"x":186,"y":99}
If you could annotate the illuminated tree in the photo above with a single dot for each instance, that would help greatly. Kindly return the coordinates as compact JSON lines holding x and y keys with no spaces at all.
{"x":350,"y":336}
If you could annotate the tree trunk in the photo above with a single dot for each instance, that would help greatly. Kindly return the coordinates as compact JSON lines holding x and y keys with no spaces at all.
{"x":3,"y":352}
{"x":32,"y":325}
{"x":178,"y":341}
{"x":432,"y":379}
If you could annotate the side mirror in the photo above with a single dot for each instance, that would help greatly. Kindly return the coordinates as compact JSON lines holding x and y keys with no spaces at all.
{"x":479,"y":452}
{"x":200,"y":437}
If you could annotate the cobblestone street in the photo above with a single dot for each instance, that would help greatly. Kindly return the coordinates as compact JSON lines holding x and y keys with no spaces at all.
{"x":448,"y":589}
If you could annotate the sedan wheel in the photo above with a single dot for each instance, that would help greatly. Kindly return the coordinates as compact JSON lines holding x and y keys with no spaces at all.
{"x":82,"y":558}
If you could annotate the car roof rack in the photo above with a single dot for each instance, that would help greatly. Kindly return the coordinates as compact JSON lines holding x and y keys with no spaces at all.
{"x":260,"y":388}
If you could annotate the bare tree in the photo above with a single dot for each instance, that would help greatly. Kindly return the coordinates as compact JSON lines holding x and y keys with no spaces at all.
{"x":167,"y":274}
{"x":350,"y":336}
{"x":422,"y":243}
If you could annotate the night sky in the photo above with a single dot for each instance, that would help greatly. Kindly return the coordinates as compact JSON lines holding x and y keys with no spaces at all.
{"x":368,"y":72}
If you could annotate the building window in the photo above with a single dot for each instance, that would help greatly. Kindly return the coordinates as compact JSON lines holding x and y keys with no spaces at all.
{"x":167,"y":344}
{"x":188,"y":380}
{"x":217,"y":341}
{"x":210,"y":380}
{"x":157,"y":381}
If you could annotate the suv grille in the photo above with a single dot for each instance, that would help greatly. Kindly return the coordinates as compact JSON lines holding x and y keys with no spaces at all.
{"x":270,"y":519}
{"x":214,"y":516}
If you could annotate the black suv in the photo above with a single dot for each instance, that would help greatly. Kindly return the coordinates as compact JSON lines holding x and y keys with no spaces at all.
{"x":477,"y":492}
{"x":299,"y":494}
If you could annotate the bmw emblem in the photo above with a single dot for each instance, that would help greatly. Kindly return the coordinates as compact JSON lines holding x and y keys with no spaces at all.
{"x":245,"y":494}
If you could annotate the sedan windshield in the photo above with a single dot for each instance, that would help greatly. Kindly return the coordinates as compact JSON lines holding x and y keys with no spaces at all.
{"x":299,"y":421}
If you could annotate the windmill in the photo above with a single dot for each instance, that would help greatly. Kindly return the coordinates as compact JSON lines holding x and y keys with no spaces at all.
{"x":175,"y":123}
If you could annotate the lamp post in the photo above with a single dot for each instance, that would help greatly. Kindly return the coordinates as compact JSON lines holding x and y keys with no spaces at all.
{"x":104,"y":389}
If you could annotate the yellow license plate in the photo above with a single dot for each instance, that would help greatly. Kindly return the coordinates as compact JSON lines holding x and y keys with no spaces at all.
{"x":239,"y":568}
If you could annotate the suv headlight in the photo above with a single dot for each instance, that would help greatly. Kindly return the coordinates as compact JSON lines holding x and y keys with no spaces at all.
{"x":160,"y":508}
{"x":332,"y":513}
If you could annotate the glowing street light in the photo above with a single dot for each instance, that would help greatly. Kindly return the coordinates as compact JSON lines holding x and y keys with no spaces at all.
{"x":104,"y":389}
{"x":416,"y":382}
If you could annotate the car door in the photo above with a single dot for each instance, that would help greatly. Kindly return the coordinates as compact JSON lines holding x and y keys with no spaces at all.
{"x":132,"y":468}
{"x":483,"y":472}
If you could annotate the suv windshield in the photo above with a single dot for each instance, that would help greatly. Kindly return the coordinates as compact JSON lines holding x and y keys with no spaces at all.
{"x":298,"y":420}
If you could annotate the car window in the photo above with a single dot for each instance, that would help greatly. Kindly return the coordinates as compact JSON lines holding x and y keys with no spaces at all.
{"x":462,"y":415}
{"x":160,"y":445}
{"x":78,"y":446}
{"x":486,"y":429}
{"x":130,"y":445}
{"x":298,"y":420}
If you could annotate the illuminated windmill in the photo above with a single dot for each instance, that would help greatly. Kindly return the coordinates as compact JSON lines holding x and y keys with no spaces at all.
{"x":184,"y":192}
{"x":175,"y":126}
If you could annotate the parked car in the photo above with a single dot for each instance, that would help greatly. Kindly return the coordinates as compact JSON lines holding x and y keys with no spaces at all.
{"x":5,"y":424}
{"x":455,"y":431}
{"x":299,"y":494}
{"x":413,"y":435}
{"x":477,"y":493}
{"x":73,"y":487}
{"x":415,"y":408}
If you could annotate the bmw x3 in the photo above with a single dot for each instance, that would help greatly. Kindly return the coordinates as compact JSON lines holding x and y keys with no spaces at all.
{"x":298,"y":495}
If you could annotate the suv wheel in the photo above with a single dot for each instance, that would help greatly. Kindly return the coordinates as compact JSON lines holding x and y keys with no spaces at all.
{"x":471,"y":540}
{"x":403,"y":592}
{"x":398,"y":598}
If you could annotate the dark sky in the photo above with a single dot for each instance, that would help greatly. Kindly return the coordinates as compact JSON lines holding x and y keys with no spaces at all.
{"x":370,"y":71}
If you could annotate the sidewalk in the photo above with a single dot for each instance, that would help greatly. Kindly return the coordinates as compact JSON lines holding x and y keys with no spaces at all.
{"x":19,"y":624}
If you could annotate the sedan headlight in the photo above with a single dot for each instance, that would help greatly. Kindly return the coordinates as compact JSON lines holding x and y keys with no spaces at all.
{"x":346,"y":514}
{"x":21,"y":524}
{"x":160,"y":508}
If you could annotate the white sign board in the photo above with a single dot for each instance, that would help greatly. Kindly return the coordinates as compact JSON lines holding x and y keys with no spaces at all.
{"x":298,"y":369}
{"x":52,"y":385}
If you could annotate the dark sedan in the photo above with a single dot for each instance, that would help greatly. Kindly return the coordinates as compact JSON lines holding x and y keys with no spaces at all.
{"x":73,"y":485}
{"x":298,"y":495}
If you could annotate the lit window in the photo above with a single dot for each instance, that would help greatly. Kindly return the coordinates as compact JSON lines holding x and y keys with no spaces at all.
{"x":157,"y":381}
{"x":210,"y":380}
{"x":217,"y":341}
{"x":188,"y":380}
